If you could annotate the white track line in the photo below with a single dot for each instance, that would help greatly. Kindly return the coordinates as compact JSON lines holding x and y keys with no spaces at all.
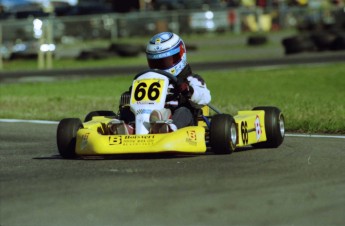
{"x":287,"y":135}
{"x":314,"y":135}
{"x":29,"y":121}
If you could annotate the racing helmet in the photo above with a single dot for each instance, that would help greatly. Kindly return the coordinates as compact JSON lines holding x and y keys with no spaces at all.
{"x":166,"y":51}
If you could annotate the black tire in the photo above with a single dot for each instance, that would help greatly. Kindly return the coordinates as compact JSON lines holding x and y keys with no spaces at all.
{"x":223,"y":134}
{"x":191,"y":47}
{"x":323,"y":40}
{"x":66,"y":136}
{"x":338,"y":43}
{"x":93,"y":54}
{"x":297,"y":44}
{"x":126,"y":50}
{"x":274,"y":126}
{"x":256,"y":40}
{"x":99,"y":113}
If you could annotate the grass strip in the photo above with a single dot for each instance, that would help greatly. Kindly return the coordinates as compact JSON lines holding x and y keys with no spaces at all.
{"x":311,"y":97}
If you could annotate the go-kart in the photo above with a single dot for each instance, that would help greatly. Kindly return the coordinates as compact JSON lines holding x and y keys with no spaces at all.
{"x":128,"y":131}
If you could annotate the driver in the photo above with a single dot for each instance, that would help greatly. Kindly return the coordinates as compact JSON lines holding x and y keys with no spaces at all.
{"x":166,"y":51}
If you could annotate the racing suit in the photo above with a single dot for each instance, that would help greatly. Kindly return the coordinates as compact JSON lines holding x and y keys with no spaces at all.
{"x":194,"y":95}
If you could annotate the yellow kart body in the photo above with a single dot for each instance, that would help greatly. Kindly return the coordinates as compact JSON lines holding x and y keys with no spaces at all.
{"x":92,"y":139}
{"x":222,"y":133}
{"x":250,"y":127}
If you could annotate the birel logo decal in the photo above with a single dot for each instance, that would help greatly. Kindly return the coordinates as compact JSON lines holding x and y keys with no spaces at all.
{"x":191,"y":137}
{"x":84,"y":140}
{"x":258,"y":128}
{"x":115,"y":140}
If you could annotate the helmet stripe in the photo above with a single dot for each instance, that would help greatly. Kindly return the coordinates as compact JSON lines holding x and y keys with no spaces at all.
{"x":165,"y":54}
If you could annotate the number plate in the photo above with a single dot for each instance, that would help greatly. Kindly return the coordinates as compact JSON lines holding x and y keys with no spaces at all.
{"x":147,"y":91}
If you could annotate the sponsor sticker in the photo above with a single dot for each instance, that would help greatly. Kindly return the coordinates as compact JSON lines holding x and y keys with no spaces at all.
{"x":258,"y":128}
{"x":143,"y":111}
{"x":135,"y":140}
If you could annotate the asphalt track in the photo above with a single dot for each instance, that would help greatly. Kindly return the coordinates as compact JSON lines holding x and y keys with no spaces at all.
{"x":300,"y":183}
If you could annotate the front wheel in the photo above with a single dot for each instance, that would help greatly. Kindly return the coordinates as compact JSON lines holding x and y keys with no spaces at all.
{"x":274,"y":126}
{"x":223,"y":134}
{"x":66,"y":136}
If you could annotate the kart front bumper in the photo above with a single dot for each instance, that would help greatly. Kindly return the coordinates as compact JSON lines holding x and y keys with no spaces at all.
{"x":186,"y":140}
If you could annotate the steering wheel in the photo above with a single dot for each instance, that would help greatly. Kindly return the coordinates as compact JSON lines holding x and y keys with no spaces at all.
{"x":171,"y":77}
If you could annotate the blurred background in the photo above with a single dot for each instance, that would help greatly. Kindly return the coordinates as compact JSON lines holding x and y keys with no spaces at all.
{"x":55,"y":29}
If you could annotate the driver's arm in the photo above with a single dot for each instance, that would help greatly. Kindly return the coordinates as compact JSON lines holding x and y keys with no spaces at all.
{"x":201,"y":95}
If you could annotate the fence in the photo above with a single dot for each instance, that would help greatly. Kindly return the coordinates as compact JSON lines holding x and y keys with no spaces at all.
{"x":39,"y":37}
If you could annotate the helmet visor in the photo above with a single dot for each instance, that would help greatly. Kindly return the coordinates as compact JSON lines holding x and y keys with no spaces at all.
{"x":164,"y":63}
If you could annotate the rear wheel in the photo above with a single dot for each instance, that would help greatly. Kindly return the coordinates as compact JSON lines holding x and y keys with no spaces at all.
{"x":99,"y":113}
{"x":66,"y":136}
{"x":223,"y":134}
{"x":274,"y":126}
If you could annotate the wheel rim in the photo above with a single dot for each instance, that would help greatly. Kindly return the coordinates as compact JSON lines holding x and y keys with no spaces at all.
{"x":233,"y":133}
{"x":281,"y":125}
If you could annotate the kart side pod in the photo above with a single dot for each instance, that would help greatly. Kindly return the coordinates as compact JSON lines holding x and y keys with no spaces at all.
{"x":262,"y":127}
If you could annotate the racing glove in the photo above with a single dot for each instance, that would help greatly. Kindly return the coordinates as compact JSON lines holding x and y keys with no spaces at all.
{"x":185,"y":89}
